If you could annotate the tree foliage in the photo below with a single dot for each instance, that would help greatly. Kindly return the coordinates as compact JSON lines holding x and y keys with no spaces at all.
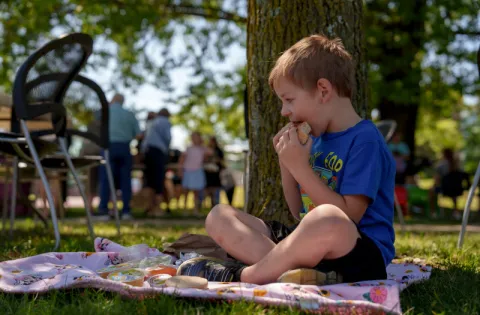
{"x":422,"y":61}
{"x":421,"y":53}
{"x":140,"y":42}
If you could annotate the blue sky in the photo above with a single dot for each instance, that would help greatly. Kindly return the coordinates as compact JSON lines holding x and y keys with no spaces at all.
{"x":149,"y":98}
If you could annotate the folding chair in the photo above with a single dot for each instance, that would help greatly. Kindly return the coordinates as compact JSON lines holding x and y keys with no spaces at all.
{"x":66,"y":55}
{"x":471,"y":193}
{"x":387,"y":129}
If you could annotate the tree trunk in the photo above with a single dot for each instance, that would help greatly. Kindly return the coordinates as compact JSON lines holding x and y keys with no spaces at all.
{"x":273,"y":26}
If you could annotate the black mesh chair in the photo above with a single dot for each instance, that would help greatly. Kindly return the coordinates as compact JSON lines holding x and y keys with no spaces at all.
{"x":387,"y":129}
{"x":85,"y":102}
{"x":471,"y":192}
{"x":66,"y":55}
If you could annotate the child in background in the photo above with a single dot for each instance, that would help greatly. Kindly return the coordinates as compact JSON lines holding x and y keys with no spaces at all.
{"x":191,"y":169}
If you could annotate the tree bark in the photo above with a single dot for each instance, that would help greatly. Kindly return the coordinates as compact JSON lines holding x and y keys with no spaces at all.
{"x":272,"y":27}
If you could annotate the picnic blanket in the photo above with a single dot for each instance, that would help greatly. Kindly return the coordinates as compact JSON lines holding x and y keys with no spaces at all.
{"x":53,"y":271}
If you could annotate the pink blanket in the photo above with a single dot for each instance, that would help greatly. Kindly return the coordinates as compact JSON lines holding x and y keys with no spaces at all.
{"x":41,"y":273}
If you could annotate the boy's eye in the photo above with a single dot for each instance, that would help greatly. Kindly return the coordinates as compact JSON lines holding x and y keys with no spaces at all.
{"x":289,"y":100}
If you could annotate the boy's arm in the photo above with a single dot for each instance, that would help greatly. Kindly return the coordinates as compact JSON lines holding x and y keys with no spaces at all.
{"x":289,"y":184}
{"x":291,"y":192}
{"x":353,"y":205}
{"x":360,"y":183}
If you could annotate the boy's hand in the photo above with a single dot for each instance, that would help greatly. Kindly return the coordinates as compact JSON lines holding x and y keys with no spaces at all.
{"x":290,"y":151}
{"x":280,"y":133}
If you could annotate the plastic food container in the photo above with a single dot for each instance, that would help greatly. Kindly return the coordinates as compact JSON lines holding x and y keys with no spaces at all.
{"x":104,"y":272}
{"x":134,"y":277}
{"x":159,"y":270}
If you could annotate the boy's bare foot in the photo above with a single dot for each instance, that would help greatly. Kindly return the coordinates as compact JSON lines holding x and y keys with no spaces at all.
{"x":310,"y":276}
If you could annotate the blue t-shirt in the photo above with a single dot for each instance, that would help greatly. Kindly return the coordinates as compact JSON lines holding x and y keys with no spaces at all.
{"x":357,"y":161}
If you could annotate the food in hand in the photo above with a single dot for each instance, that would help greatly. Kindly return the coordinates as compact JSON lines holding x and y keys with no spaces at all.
{"x":303,"y":132}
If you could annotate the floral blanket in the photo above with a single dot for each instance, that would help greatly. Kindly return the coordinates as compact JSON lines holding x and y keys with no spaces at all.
{"x":53,"y":271}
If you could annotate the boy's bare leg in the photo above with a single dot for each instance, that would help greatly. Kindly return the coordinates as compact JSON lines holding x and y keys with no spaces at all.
{"x":243,"y":236}
{"x":324,"y":233}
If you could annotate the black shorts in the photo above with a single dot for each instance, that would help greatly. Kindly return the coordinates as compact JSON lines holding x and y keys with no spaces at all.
{"x":154,"y":173}
{"x":364,"y":262}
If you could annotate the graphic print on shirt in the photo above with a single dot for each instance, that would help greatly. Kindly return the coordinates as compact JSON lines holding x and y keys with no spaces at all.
{"x":327,"y":169}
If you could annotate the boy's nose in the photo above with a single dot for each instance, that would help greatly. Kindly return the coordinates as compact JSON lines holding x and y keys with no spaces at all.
{"x":285,"y":112}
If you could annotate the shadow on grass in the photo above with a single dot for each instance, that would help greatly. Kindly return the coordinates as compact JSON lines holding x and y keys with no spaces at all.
{"x":31,"y":240}
{"x":176,"y":214}
{"x":453,"y":290}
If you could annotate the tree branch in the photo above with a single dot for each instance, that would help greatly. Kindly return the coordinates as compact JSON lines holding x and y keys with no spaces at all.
{"x":205,"y":12}
{"x":467,"y":33}
{"x":208,"y":13}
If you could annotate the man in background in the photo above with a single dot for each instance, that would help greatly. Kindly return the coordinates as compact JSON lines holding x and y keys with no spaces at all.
{"x":123,"y":128}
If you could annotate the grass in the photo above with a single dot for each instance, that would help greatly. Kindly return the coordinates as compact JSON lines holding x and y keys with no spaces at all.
{"x":453,"y":289}
{"x":445,"y":202}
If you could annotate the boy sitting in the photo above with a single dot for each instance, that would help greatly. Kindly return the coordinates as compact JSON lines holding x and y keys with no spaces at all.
{"x":339,"y":185}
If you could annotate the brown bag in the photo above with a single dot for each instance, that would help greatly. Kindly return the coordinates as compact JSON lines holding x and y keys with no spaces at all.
{"x":200,"y":244}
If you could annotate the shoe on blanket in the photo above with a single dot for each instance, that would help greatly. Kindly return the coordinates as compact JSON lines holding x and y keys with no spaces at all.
{"x":211,"y":269}
{"x":310,"y":276}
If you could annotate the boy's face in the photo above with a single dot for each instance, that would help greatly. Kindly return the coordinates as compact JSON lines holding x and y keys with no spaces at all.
{"x":300,"y":105}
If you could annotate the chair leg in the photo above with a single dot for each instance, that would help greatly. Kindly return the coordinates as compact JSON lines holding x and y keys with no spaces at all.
{"x":88,"y":188}
{"x":61,"y":208}
{"x":63,"y":146}
{"x":399,"y":212}
{"x":5,"y":200}
{"x":13,"y":196}
{"x":113,"y":193}
{"x":44,"y":179}
{"x":466,"y":210}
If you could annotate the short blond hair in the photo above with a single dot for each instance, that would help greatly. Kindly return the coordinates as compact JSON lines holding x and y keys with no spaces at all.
{"x":313,"y":58}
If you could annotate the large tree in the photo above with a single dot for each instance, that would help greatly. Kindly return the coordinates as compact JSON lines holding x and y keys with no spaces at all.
{"x":419,"y":57}
{"x":272,"y":27}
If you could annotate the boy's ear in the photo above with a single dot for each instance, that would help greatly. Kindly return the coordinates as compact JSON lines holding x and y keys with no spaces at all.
{"x":324,"y":89}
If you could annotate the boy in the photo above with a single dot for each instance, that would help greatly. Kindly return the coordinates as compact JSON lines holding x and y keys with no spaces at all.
{"x":339,"y":185}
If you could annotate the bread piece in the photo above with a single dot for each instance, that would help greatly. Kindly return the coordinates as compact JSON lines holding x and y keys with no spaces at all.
{"x":182,"y":282}
{"x":303,"y":132}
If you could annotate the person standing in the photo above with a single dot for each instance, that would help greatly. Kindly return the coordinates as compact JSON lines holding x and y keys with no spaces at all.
{"x":215,"y":164}
{"x":123,"y":128}
{"x":156,"y":143}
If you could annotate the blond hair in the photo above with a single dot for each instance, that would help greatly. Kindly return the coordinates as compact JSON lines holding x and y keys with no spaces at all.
{"x":313,"y":58}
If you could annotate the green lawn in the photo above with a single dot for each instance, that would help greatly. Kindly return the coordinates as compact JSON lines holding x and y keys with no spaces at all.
{"x":453,"y":289}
